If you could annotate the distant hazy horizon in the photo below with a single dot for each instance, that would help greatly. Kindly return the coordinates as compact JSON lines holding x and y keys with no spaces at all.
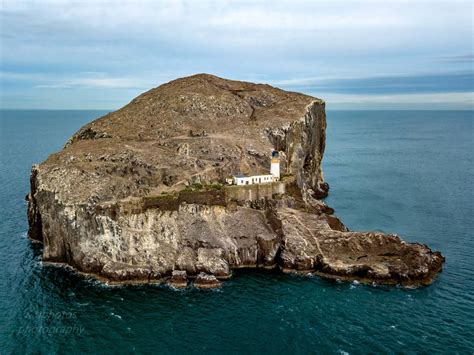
{"x":355,"y":55}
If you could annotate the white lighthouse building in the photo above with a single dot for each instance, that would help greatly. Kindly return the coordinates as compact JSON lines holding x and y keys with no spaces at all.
{"x":275,"y":167}
{"x":274,"y":175}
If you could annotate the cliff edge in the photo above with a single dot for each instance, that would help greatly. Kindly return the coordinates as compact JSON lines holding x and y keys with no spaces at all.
{"x":139,"y":195}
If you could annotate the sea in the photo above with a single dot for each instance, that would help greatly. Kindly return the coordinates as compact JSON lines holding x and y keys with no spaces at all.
{"x":404,"y":172}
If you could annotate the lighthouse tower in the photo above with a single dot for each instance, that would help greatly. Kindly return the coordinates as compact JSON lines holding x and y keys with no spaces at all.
{"x":275,"y":166}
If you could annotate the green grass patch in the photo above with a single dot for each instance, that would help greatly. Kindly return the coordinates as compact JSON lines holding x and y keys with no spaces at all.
{"x":203,"y":187}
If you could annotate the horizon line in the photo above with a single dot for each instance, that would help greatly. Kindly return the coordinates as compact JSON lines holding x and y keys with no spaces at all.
{"x":327,"y":109}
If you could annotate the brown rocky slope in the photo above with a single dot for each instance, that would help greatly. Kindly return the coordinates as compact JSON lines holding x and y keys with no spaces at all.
{"x":137,"y":195}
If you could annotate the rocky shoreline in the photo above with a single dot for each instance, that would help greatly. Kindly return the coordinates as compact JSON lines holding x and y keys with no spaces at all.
{"x":136,"y":196}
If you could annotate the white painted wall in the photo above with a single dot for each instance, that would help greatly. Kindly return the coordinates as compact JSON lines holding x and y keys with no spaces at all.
{"x":256,"y":179}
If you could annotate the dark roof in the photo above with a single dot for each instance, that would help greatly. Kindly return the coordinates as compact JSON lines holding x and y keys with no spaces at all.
{"x":240,"y":175}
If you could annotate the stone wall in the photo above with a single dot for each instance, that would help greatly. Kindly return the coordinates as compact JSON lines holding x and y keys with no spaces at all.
{"x":172,"y":202}
{"x":245,"y":193}
{"x":254,"y":192}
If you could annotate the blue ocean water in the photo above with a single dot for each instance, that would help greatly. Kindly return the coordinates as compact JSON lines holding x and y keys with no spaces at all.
{"x":409,"y":172}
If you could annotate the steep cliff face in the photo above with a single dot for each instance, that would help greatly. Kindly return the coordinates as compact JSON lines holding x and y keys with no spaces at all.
{"x":107,"y":203}
{"x":303,"y":143}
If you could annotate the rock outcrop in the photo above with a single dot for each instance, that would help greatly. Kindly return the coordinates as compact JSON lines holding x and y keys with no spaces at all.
{"x":204,"y":280}
{"x":137,"y":195}
{"x":179,"y":279}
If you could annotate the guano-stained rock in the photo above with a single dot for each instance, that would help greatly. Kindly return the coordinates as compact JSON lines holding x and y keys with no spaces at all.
{"x":204,"y":280}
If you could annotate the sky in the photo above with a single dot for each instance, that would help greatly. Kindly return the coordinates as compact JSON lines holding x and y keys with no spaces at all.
{"x":100,"y":54}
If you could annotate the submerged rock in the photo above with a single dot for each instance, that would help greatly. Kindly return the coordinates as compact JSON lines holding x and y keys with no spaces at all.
{"x":135,"y":197}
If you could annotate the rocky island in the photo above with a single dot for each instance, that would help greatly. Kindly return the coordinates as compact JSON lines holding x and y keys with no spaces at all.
{"x":140,"y":195}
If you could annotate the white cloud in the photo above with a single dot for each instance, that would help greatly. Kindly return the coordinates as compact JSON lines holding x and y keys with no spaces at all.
{"x":149,"y":18}
{"x":109,"y":45}
{"x":105,"y":83}
{"x":438,"y":101}
{"x":447,"y":98}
